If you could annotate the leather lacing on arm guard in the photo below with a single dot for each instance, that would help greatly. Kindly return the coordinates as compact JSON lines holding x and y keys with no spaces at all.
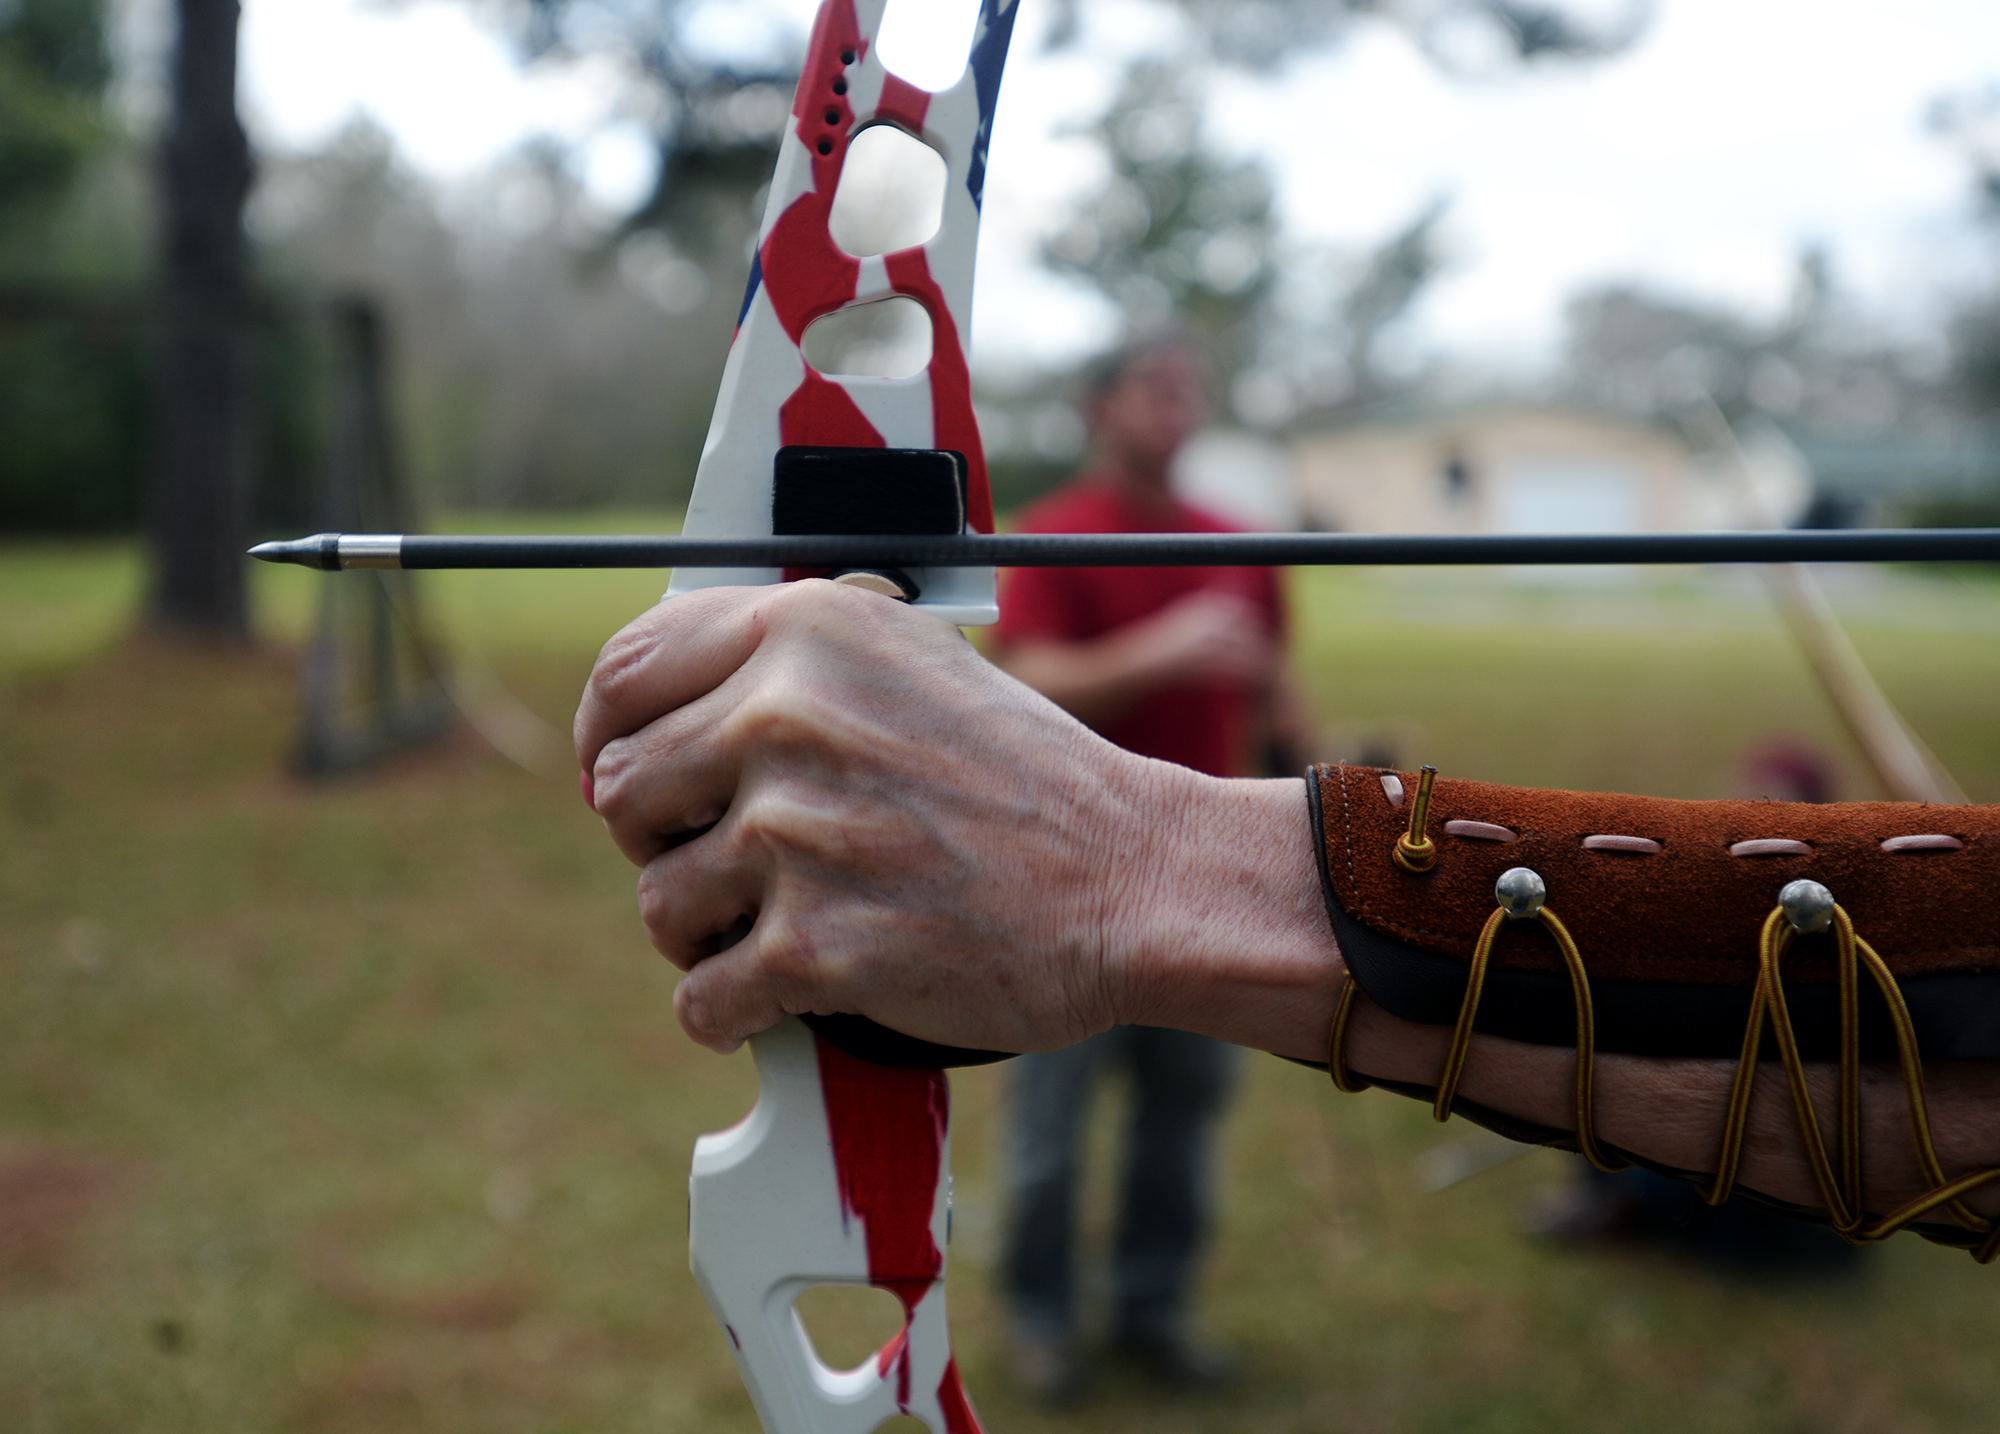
{"x":1841,"y":1194}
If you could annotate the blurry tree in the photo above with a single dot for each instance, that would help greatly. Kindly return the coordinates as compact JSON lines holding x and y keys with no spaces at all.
{"x":1177,"y":231}
{"x":1971,"y":121}
{"x":71,"y":351}
{"x":1322,"y":337}
{"x":549,"y":354}
{"x":1643,"y":353}
{"x":1468,"y":36}
{"x":53,"y":69}
{"x":524,"y":377}
{"x":1881,"y":423}
{"x":73,"y":382}
{"x":198,"y":505}
{"x":1825,"y":371}
{"x":717,"y":118}
{"x":1975,"y":355}
{"x":1816,"y":363}
{"x":1389,"y":282}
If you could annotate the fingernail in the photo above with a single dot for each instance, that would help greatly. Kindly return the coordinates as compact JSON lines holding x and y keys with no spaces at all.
{"x":589,"y":789}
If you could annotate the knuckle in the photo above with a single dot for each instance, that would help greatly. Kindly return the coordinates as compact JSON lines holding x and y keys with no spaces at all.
{"x":780,"y":823}
{"x":664,"y":915}
{"x":814,"y":603}
{"x":793,"y":606}
{"x":618,"y":665}
{"x":787,"y":951}
{"x":656,"y":903}
{"x":613,"y":780}
{"x":780,"y":715}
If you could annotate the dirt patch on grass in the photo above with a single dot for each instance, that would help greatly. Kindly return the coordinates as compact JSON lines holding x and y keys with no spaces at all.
{"x":46,"y":1196}
{"x":390,"y":1388}
{"x":498,"y":1382}
{"x":467,"y":1305}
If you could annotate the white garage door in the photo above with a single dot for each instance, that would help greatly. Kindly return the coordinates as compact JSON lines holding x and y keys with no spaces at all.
{"x":1569,"y":495}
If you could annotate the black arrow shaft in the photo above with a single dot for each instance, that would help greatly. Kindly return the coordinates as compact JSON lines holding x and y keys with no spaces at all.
{"x":415,"y":551}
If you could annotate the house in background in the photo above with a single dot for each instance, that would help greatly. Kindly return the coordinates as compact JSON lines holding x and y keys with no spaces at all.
{"x":1520,"y":468}
{"x":1509,"y":466}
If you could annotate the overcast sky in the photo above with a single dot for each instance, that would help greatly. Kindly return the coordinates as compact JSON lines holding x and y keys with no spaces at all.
{"x":1734,"y":132}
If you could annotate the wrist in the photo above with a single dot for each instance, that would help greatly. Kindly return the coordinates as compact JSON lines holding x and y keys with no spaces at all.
{"x":1221,"y":928}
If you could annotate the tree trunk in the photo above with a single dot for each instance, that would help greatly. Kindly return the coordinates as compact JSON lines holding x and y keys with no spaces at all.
{"x":200,"y":486}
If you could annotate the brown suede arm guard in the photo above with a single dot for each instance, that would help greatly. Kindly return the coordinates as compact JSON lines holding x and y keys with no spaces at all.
{"x":1669,"y":940}
{"x":1668,"y":935}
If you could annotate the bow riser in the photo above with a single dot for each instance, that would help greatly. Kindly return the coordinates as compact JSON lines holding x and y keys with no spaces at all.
{"x":770,"y":396}
{"x":840,"y":1175}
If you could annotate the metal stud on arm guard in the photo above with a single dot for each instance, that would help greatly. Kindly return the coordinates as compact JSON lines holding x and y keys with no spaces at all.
{"x":1686,"y":929}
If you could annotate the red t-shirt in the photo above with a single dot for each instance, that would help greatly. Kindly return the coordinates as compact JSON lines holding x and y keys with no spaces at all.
{"x":1206,"y":726}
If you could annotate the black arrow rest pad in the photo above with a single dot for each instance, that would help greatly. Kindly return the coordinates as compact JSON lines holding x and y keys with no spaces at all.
{"x":863,"y":491}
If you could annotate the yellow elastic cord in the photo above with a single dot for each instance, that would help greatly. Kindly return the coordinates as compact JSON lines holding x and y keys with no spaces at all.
{"x":1336,"y":1041}
{"x":1415,"y":852}
{"x":1841,"y":1192}
{"x":1586,"y":1046}
{"x":1586,"y":1030}
{"x":1842,"y":1195}
{"x":1461,"y":1034}
{"x":1736,"y":1123}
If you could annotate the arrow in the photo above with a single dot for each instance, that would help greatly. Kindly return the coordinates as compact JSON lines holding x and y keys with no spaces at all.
{"x":335,"y":551}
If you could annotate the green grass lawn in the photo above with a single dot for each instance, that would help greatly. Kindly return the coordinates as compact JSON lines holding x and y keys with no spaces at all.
{"x":360,"y":1107}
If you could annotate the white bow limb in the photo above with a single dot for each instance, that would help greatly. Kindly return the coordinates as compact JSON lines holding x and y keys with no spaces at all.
{"x":840,"y":1175}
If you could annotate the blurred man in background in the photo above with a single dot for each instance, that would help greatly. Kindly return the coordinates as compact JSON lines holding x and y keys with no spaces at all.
{"x":1186,"y":665}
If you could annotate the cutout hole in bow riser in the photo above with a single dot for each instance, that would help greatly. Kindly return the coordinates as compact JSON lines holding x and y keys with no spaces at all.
{"x":891,"y":193}
{"x":926,"y":41}
{"x":848,"y":1323}
{"x":888,"y":338}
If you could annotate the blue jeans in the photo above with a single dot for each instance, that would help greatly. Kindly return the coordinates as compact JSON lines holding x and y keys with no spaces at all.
{"x":1180,"y":1083}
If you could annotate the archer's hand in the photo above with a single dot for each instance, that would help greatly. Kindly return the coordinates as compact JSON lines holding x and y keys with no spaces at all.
{"x":1204,"y":636}
{"x":913,"y":835}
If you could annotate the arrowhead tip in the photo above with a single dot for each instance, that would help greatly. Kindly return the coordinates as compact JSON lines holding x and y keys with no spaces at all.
{"x":319,"y":551}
